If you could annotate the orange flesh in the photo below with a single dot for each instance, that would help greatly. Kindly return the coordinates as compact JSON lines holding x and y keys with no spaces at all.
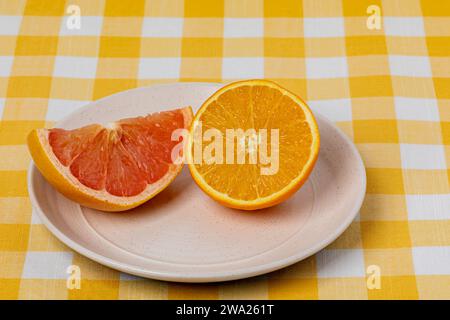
{"x":257,"y":107}
{"x":123,"y":160}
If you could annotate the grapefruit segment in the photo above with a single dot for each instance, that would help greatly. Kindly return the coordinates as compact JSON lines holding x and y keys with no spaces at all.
{"x":111,"y":169}
{"x":89,"y":165}
{"x":67,"y":144}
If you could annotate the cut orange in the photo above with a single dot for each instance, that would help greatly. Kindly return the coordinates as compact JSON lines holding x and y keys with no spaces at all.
{"x":252,"y":107}
{"x":111,"y":169}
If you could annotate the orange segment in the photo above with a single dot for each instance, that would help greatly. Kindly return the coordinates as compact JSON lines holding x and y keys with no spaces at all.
{"x":254,"y":106}
{"x":111,"y":169}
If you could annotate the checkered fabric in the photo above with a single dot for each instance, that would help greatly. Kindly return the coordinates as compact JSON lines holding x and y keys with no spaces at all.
{"x":388,"y":89}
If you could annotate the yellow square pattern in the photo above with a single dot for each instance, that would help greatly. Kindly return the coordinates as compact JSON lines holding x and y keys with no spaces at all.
{"x":119,"y":8}
{"x":202,"y":47}
{"x":288,"y":8}
{"x":204,"y":8}
{"x":120,"y":47}
{"x":44,"y":8}
{"x":36,"y":45}
{"x":374,"y":234}
{"x":386,"y":88}
{"x":284,"y":47}
{"x":394,"y":288}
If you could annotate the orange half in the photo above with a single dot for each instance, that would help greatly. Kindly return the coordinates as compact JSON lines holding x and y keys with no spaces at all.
{"x":257,"y":105}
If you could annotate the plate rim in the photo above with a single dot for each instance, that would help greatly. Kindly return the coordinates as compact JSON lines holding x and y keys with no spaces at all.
{"x":204,"y":276}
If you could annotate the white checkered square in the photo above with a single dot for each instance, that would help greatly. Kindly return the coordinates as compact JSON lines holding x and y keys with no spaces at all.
{"x":75,"y":67}
{"x":6,"y":65}
{"x":243,"y":28}
{"x":404,"y":26}
{"x":410,"y":66}
{"x":431,"y":260}
{"x":159,"y":68}
{"x":323,"y":27}
{"x":428,"y":206}
{"x":35,"y":219}
{"x":162,"y":27}
{"x":422,"y":156}
{"x":241,"y":68}
{"x":340,"y":263}
{"x":10,"y":25}
{"x":318,"y":68}
{"x":416,"y":109}
{"x":89,"y":26}
{"x":333,"y":109}
{"x":2,"y":106}
{"x":47,"y":265}
{"x":59,"y":108}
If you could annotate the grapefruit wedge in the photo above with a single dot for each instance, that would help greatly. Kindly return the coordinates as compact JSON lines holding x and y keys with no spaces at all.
{"x":115,"y":168}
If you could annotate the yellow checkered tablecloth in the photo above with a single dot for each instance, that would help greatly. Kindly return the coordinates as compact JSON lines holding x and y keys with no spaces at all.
{"x":388,"y":89}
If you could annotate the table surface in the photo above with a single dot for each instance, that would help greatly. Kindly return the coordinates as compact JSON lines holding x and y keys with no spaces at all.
{"x":388,"y":89}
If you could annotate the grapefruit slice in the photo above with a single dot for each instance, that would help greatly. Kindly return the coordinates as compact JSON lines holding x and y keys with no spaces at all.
{"x":279,"y":166}
{"x":115,"y":168}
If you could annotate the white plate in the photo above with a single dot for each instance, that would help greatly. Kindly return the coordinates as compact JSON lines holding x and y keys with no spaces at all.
{"x":182,"y":235}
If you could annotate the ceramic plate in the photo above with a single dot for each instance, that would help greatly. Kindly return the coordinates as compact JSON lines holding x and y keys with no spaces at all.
{"x":182,"y":235}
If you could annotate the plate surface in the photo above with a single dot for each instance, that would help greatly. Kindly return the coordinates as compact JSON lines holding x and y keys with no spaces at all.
{"x":182,"y":235}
